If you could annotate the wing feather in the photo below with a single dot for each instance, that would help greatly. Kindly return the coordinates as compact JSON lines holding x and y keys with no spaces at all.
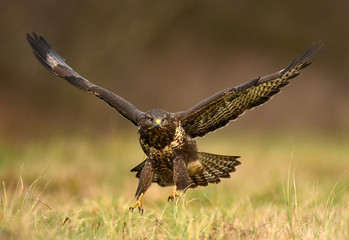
{"x":52,"y":61}
{"x":216,"y":111}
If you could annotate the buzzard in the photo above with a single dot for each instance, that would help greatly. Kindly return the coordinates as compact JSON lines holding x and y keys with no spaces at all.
{"x":168,"y":138}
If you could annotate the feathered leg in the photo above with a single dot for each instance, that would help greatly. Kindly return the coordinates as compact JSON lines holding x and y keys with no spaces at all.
{"x":143,"y":184}
{"x":181,"y":178}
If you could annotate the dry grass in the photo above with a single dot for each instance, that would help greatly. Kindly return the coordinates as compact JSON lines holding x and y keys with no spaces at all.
{"x":286,"y":188}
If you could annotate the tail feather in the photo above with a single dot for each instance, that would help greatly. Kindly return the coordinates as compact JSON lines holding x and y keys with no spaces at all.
{"x":198,"y":180}
{"x":139,"y":168}
{"x":211,"y":175}
{"x":211,"y":167}
{"x":214,"y":167}
{"x":159,"y":179}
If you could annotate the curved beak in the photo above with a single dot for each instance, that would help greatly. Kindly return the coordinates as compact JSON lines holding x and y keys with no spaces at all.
{"x":158,"y":123}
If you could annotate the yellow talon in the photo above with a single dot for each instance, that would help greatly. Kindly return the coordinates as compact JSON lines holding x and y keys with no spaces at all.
{"x":174,"y":194}
{"x":139,"y":204}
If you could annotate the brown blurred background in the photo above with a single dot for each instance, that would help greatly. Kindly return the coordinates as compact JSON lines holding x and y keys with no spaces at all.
{"x":170,"y":55}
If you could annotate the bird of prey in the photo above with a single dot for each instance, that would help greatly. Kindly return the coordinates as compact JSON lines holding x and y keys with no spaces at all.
{"x":168,"y":139}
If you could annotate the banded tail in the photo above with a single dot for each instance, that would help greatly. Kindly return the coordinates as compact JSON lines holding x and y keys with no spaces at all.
{"x":208,"y":168}
{"x":214,"y":167}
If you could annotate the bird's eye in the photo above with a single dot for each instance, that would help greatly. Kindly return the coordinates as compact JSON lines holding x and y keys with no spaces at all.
{"x":150,"y":119}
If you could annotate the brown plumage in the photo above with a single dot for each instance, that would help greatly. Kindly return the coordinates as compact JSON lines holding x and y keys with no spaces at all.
{"x":168,"y":138}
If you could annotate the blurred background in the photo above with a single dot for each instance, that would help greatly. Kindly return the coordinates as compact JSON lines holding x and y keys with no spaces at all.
{"x":170,"y":55}
{"x":70,"y":148}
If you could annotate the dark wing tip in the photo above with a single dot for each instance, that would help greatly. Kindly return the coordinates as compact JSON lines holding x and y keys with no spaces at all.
{"x":305,"y":60}
{"x":43,"y":51}
{"x":38,"y":44}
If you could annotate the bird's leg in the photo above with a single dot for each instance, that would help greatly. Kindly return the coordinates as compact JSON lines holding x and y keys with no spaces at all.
{"x":138,"y":204}
{"x":181,"y":178}
{"x":144,"y":182}
{"x":174,"y":194}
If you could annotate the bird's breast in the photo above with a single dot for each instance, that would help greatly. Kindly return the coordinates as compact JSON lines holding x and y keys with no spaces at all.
{"x":159,"y":144}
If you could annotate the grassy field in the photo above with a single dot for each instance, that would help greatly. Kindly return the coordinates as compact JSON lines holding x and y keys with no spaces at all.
{"x":288,"y":187}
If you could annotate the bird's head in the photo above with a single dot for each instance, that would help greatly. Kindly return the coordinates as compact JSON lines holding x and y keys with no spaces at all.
{"x":155,"y":119}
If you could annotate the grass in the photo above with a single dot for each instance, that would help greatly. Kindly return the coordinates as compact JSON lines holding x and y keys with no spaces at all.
{"x":288,"y":187}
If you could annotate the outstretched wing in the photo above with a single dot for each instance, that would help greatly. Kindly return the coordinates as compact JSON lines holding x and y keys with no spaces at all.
{"x":216,"y":111}
{"x":56,"y":64}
